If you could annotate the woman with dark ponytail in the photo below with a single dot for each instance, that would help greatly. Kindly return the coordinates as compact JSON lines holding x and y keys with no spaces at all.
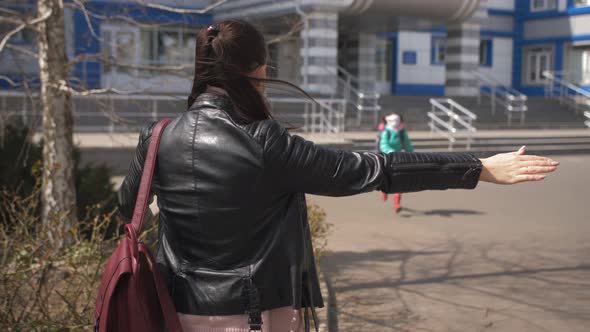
{"x":234,"y":241}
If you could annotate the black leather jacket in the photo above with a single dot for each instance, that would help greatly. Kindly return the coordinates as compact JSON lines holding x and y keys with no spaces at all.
{"x":233,"y":228}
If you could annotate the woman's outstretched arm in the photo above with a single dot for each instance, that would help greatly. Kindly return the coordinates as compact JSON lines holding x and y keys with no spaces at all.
{"x":300,"y":165}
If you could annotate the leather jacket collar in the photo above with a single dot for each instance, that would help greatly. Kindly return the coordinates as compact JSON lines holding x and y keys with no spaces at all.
{"x":219,"y":100}
{"x":213,"y":99}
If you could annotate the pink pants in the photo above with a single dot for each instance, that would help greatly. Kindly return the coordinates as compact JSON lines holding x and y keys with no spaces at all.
{"x":281,"y":319}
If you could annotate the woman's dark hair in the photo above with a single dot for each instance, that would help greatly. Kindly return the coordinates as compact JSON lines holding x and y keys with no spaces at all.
{"x":224,"y":56}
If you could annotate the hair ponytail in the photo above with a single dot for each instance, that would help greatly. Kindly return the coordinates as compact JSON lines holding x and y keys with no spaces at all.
{"x":224,"y":56}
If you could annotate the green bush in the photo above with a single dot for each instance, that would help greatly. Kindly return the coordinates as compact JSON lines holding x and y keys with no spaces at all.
{"x":21,"y":157}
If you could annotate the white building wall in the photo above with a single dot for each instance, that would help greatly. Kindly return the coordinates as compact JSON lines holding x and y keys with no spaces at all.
{"x":561,"y":5}
{"x":423,"y":72}
{"x":148,"y":82}
{"x":498,"y":23}
{"x":501,"y":69}
{"x":501,"y":4}
{"x":289,"y":60}
{"x":557,"y":27}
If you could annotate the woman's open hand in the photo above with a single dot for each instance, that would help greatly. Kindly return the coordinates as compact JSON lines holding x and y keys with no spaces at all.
{"x":516,"y":167}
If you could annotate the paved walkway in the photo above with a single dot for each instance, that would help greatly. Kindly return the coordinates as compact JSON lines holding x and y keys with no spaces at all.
{"x":500,"y":258}
{"x":129,"y":140}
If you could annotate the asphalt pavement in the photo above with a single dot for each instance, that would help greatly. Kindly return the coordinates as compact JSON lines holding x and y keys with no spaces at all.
{"x":497,"y":258}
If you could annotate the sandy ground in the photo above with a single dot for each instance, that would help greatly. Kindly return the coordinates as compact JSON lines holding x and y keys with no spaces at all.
{"x":499,"y":258}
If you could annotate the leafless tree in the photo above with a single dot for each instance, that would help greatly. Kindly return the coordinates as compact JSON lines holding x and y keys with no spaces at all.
{"x":56,"y":89}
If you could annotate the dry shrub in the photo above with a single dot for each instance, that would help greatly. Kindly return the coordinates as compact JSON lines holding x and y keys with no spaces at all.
{"x":44,"y":288}
{"x":319,"y":228}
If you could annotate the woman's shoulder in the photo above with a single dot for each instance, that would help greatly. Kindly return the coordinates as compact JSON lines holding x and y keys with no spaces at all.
{"x":265,"y":131}
{"x":146,"y":131}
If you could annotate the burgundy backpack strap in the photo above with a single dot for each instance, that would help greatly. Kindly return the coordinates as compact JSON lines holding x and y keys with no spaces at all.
{"x":145,"y":185}
{"x":168,"y":309}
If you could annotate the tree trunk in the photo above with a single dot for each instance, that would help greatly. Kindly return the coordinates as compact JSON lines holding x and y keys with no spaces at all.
{"x":58,"y":192}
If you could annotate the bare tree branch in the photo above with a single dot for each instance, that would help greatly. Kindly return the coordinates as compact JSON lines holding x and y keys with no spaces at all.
{"x":124,"y":18}
{"x":85,"y":12}
{"x":182,"y":10}
{"x":103,"y":59}
{"x":10,"y":12}
{"x":8,"y":80}
{"x":11,"y":20}
{"x":63,"y":86}
{"x":22,"y":50}
{"x":21,"y":27}
{"x":10,"y":34}
{"x":40,"y":19}
{"x":295,"y":28}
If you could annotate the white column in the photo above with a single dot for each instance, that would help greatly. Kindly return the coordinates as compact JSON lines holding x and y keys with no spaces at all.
{"x":366,"y":61}
{"x":319,"y":51}
{"x":462,"y":55}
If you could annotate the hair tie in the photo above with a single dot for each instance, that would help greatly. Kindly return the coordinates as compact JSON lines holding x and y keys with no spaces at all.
{"x":212,"y":30}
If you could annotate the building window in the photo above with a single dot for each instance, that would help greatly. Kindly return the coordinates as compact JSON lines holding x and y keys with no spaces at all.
{"x":119,"y":46}
{"x":409,"y":58}
{"x":167,"y":46}
{"x":485,"y":52}
{"x":438,"y":51}
{"x":538,"y":60}
{"x":577,"y":64}
{"x":157,"y":46}
{"x":582,"y":3}
{"x":541,"y":5}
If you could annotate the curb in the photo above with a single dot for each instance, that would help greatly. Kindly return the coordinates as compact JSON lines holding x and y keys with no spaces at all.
{"x":323,"y":312}
{"x":328,"y":314}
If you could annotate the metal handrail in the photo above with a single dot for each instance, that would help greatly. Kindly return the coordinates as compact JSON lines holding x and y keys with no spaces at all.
{"x":461,"y":108}
{"x":550,"y":76}
{"x":455,"y":117}
{"x":362,"y":101}
{"x":351,"y":78}
{"x":457,"y":114}
{"x":492,"y":81}
{"x":327,"y":115}
{"x":433,"y":117}
{"x":568,"y":93}
{"x":319,"y":116}
{"x":509,"y":98}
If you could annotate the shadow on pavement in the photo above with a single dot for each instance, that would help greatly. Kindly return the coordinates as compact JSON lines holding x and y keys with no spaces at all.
{"x":411,"y":270}
{"x":409,"y":213}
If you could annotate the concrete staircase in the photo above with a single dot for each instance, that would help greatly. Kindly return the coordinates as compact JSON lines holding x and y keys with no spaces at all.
{"x":486,"y":143}
{"x":543,"y":113}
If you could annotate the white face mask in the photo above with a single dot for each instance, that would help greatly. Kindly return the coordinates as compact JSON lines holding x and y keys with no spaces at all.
{"x":393,"y":121}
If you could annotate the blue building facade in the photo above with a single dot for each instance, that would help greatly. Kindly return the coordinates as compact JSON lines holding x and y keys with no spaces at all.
{"x":518,"y":40}
{"x":128,"y":34}
{"x":515,"y":41}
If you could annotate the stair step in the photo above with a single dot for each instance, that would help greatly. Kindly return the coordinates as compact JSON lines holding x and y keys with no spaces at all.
{"x":498,"y":140}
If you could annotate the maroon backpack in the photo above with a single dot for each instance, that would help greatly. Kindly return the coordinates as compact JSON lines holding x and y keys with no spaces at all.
{"x":132,"y":296}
